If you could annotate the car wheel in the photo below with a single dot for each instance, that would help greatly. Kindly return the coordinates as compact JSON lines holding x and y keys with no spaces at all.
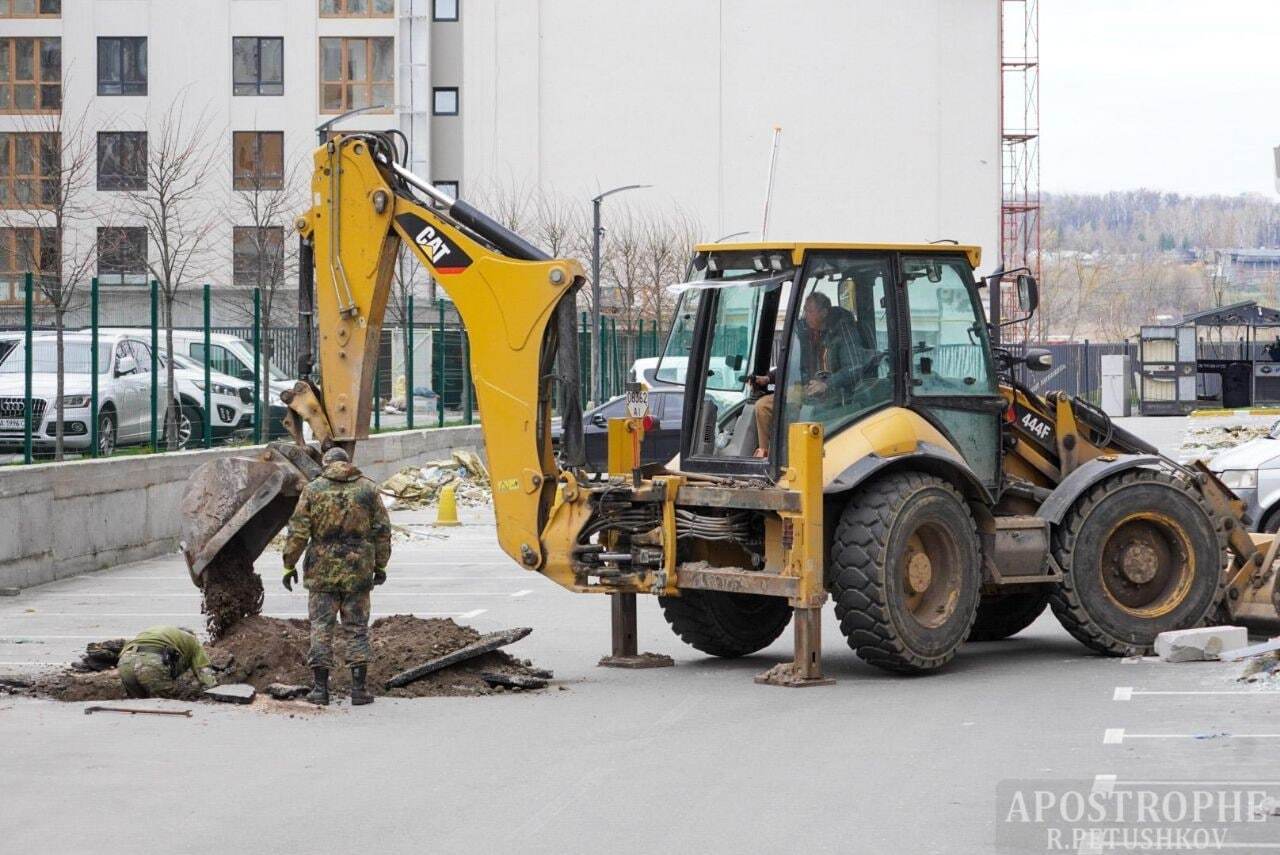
{"x":190,"y":427}
{"x":106,"y":434}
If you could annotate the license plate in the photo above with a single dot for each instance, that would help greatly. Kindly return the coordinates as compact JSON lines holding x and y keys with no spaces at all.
{"x":12,"y":424}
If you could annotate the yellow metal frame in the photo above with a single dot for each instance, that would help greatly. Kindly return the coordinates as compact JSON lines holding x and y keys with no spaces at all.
{"x":798,"y":250}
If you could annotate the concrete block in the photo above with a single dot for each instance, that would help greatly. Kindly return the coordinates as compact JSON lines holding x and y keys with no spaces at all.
{"x":1200,"y":644}
{"x":232,"y":693}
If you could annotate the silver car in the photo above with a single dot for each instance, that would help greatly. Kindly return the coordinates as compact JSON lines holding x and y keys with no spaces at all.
{"x":1252,"y":471}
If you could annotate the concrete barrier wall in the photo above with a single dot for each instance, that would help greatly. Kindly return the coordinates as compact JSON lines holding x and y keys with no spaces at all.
{"x":60,"y":519}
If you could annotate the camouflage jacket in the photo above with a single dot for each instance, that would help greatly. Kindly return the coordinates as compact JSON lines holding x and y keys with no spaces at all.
{"x":341,"y":516}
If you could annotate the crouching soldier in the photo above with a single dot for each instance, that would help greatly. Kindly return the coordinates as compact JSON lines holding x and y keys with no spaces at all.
{"x":341,"y":523}
{"x":153,"y":664}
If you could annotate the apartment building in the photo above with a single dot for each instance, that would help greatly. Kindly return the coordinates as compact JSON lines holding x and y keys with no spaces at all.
{"x":890,"y":114}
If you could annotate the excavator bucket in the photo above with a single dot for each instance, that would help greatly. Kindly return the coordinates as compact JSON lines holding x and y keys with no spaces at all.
{"x":234,"y":506}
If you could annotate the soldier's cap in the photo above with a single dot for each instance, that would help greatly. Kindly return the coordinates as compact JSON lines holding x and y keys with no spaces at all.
{"x":335,"y":455}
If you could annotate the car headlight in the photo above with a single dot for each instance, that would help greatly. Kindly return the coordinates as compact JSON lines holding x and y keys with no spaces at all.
{"x":75,"y":400}
{"x":221,"y":389}
{"x":1240,"y":479}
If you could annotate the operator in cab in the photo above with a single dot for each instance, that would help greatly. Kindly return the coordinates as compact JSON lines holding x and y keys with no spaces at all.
{"x":342,"y":525}
{"x":155,"y":663}
{"x":832,"y":360}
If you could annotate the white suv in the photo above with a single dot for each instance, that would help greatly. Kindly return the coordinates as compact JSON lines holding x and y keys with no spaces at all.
{"x":124,"y":393}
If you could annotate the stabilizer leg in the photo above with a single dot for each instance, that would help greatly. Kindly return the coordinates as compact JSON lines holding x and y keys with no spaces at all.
{"x":625,"y":651}
{"x":805,"y":669}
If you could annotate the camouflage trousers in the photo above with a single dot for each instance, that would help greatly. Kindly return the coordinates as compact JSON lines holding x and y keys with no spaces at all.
{"x":146,"y":674}
{"x":324,"y":607}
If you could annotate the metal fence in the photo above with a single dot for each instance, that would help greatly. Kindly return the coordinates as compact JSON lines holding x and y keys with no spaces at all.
{"x":1077,"y":367}
{"x":228,"y":376}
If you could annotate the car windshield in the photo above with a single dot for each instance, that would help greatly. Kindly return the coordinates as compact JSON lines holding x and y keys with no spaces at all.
{"x":77,"y":358}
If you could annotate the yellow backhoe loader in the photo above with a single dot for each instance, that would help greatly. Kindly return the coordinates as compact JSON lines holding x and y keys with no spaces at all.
{"x":849,"y":429}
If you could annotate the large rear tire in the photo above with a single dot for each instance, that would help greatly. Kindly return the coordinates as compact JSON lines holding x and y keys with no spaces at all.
{"x":1139,"y":556}
{"x":1003,"y":615}
{"x":723,"y":624}
{"x":905,"y":572}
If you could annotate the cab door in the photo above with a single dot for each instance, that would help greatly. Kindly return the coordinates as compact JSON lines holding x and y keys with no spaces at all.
{"x":951,"y":379}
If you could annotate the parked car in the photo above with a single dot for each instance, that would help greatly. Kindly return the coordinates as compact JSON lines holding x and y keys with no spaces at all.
{"x":124,"y":393}
{"x":230,"y":401}
{"x":232,"y":356}
{"x":660,"y":445}
{"x":1252,"y":471}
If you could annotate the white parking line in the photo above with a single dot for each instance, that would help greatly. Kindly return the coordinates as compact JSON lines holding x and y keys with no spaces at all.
{"x":392,"y":576}
{"x":526,"y":592}
{"x":1117,"y":735}
{"x":1126,"y":693}
{"x":196,"y":595}
{"x":199,"y":615}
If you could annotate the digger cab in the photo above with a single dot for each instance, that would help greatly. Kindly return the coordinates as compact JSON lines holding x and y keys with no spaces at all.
{"x":840,"y":332}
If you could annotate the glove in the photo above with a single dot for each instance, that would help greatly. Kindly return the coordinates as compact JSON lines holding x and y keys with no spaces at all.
{"x":290,"y":576}
{"x":379,"y":576}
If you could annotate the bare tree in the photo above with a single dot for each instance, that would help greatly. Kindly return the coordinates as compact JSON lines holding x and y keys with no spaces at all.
{"x":668,"y":241}
{"x":50,"y":219}
{"x":180,"y":215}
{"x":263,"y":257}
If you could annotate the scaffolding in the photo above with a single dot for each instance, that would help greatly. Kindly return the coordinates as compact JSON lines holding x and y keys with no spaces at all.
{"x":1020,"y":151}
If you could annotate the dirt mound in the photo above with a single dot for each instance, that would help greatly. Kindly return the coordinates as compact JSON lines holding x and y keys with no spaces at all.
{"x":264,"y":650}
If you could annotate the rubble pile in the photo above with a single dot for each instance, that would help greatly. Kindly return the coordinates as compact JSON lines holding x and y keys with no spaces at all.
{"x":419,"y":486}
{"x":270,"y":654}
{"x":1262,"y":670}
{"x":1207,"y":436}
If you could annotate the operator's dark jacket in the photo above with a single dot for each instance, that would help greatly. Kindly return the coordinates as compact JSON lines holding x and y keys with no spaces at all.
{"x":834,"y":353}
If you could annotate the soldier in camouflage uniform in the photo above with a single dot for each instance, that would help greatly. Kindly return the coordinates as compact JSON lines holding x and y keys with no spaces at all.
{"x":153,"y":664}
{"x":341,"y":516}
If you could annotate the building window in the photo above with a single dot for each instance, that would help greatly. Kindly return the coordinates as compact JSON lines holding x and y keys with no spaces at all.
{"x":444,"y":10}
{"x":30,"y":75}
{"x":26,"y":250}
{"x":450,"y":187}
{"x":122,"y":160}
{"x":122,"y":66}
{"x":29,"y":170}
{"x":30,"y":8}
{"x":356,"y":73}
{"x":444,"y":101}
{"x":257,"y":65}
{"x":122,"y":255}
{"x":257,"y":256}
{"x":257,"y":160}
{"x":357,"y":8}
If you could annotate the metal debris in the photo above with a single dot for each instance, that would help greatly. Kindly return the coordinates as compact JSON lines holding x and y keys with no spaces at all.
{"x":134,"y":711}
{"x":484,"y":644}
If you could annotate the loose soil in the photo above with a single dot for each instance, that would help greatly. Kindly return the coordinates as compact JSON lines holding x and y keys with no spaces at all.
{"x":231,"y":590}
{"x":264,"y":650}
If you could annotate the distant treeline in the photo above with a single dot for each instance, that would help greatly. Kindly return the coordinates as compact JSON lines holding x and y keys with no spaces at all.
{"x":1144,"y":220}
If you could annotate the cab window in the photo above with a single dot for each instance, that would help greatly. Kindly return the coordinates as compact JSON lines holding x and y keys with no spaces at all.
{"x":949,"y":353}
{"x":838,"y":356}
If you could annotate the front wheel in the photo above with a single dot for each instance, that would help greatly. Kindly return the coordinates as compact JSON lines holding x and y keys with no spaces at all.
{"x":190,"y":427}
{"x":905,"y":573}
{"x":1139,"y":556}
{"x":106,"y":434}
{"x":724,"y":624}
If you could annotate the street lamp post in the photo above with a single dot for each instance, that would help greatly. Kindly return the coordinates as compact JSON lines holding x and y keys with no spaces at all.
{"x":597,"y":232}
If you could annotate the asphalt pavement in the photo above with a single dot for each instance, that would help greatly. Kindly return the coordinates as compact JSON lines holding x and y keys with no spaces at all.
{"x":694,"y":758}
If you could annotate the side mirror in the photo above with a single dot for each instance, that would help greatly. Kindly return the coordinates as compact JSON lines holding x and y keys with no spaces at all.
{"x":126,"y":365}
{"x":1037,"y":358}
{"x":1028,"y":293}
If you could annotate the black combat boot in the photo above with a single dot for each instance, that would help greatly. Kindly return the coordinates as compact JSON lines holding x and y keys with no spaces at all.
{"x":359,"y":694}
{"x":319,"y":694}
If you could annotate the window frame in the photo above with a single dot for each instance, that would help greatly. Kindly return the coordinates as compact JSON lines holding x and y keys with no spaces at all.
{"x":130,"y":183}
{"x":344,"y":83}
{"x":257,"y":83}
{"x":12,"y":281}
{"x":343,"y":6}
{"x":119,"y":42}
{"x":39,"y":5}
{"x":10,"y":178}
{"x":40,"y":86}
{"x":437,"y":91}
{"x":253,"y":277}
{"x":435,"y":11}
{"x":118,"y":279}
{"x":449,"y":186}
{"x":256,"y":180}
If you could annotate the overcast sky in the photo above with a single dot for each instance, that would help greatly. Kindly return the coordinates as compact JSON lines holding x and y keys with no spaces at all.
{"x":1180,"y":95}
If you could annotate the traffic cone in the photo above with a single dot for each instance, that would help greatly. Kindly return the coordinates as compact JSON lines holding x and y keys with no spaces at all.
{"x":447,"y":510}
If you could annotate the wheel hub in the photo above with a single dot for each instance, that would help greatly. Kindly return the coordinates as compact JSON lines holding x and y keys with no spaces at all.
{"x":919,"y":573}
{"x":1139,"y":562}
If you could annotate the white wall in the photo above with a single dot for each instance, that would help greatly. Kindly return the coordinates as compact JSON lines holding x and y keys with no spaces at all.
{"x":889,"y":110}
